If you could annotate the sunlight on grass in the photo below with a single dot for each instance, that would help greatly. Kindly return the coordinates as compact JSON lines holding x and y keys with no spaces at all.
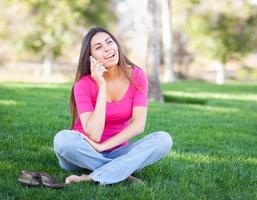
{"x":214,"y":108}
{"x":210,"y":159}
{"x":236,"y":83}
{"x":249,"y":97}
{"x":7,"y":165}
{"x":8,"y":102}
{"x":36,"y":85}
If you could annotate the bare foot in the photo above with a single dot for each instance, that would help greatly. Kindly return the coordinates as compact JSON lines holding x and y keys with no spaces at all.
{"x":136,"y":180}
{"x":77,"y":179}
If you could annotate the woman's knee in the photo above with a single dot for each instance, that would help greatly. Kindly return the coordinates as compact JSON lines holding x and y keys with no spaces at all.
{"x":164,"y":140}
{"x":63,"y":141}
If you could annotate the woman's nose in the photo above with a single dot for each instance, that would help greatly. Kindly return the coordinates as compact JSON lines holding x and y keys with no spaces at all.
{"x":106,"y":47}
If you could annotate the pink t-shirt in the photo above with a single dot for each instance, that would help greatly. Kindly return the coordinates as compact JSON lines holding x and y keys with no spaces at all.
{"x":118,"y":113}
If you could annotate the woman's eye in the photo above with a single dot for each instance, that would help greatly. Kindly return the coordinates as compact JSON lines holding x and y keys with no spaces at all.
{"x":97,"y":48}
{"x":109,"y":42}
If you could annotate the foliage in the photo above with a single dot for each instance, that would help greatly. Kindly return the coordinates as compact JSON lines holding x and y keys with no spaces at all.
{"x":224,"y":34}
{"x":54,"y":25}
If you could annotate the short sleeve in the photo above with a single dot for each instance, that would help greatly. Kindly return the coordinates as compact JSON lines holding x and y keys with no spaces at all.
{"x":141,"y":90}
{"x":83,"y":96}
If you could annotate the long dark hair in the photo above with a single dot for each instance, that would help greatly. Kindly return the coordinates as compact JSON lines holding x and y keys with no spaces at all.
{"x":84,"y":65}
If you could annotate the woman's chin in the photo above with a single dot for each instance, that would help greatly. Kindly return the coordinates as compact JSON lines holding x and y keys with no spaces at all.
{"x":110,"y":65}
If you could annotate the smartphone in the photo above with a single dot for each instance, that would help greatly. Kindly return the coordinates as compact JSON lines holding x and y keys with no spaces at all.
{"x":92,"y":58}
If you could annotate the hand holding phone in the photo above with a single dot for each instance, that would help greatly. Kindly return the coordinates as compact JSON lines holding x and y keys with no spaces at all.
{"x":97,"y":69}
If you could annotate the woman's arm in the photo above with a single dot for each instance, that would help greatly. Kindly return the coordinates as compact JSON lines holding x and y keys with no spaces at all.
{"x":136,"y":126}
{"x":93,"y":122}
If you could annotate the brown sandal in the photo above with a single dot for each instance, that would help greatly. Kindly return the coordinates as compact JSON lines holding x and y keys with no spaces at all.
{"x":29,"y":178}
{"x":50,"y":181}
{"x":36,"y":178}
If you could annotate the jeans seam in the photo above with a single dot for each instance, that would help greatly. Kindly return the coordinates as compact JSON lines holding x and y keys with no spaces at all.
{"x":96,"y":175}
{"x":75,"y":161}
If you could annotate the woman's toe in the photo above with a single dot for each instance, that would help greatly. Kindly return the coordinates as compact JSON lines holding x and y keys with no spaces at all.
{"x":72,"y":178}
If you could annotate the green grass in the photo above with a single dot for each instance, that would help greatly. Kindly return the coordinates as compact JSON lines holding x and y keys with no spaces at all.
{"x":214,"y":129}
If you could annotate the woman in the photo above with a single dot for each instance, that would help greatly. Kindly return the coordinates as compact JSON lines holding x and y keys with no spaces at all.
{"x":109,"y":107}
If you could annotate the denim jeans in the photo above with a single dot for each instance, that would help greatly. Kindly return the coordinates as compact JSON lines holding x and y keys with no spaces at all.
{"x":75,"y":153}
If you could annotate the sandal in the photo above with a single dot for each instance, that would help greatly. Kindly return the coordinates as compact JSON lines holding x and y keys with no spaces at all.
{"x":50,"y":181}
{"x":36,"y":178}
{"x":29,"y":178}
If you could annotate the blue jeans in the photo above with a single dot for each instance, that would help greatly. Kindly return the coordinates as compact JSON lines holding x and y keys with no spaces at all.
{"x":75,"y":153}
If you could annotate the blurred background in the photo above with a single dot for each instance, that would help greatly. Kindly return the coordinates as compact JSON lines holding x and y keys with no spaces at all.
{"x":171,"y":40}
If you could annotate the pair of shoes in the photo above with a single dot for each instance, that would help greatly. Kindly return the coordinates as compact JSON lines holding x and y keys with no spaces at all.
{"x":37,"y":178}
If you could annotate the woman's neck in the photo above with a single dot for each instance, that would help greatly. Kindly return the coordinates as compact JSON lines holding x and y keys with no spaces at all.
{"x":112,"y":73}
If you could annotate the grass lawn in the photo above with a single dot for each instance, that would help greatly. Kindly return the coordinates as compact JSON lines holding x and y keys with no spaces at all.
{"x":214,"y":156}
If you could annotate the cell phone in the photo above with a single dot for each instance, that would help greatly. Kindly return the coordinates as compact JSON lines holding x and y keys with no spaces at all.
{"x":92,"y":59}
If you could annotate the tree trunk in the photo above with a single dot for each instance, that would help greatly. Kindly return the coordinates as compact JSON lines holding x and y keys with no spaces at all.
{"x":153,"y":55}
{"x":48,"y":62}
{"x":169,"y":75}
{"x":220,"y":73}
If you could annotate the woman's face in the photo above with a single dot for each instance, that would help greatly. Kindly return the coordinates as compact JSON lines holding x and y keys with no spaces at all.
{"x":104,"y":49}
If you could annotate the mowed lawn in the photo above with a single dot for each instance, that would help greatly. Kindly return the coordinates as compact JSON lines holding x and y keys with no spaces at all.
{"x":214,"y":130}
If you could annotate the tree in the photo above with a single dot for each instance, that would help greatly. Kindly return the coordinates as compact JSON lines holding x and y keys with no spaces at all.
{"x":223,"y":36}
{"x":153,"y":55}
{"x":169,"y":75}
{"x":54,"y":25}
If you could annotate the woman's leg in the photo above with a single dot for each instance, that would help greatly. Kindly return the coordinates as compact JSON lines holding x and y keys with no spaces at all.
{"x":75,"y":153}
{"x":67,"y":166}
{"x":133,"y":157}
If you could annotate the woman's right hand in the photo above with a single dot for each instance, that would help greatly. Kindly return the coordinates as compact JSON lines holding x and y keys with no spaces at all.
{"x":97,"y":70}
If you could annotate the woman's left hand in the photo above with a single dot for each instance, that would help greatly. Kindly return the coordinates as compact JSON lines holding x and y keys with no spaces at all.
{"x":97,"y":146}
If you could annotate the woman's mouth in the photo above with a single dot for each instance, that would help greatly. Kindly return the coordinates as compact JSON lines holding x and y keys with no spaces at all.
{"x":111,"y":55}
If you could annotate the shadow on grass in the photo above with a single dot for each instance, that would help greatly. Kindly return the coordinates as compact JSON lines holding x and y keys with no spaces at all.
{"x":185,"y":100}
